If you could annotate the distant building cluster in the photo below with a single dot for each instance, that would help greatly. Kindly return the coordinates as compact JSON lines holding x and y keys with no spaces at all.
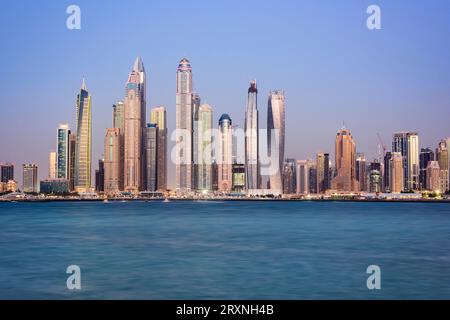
{"x":222,"y":159}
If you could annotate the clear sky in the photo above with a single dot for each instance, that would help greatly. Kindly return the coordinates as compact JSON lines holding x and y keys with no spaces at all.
{"x":320,"y":52}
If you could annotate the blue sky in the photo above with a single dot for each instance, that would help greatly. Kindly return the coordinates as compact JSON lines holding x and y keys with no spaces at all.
{"x":331,"y":67}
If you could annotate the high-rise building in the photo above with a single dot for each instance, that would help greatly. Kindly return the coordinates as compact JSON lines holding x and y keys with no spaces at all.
{"x":433,"y":176}
{"x":6,"y":172}
{"x":387,"y":172}
{"x":196,"y":153}
{"x":375,"y":177}
{"x":113,"y":164}
{"x":312,"y":175}
{"x":407,"y":143}
{"x":158,"y":116}
{"x":119,"y":115}
{"x":442,"y":156}
{"x":290,"y":176}
{"x":83,"y":148}
{"x":134,"y":126}
{"x":361,"y":173}
{"x":323,"y":172}
{"x":225,"y":150}
{"x":30,"y":178}
{"x":52,"y":165}
{"x":252,"y":165}
{"x":276,"y":138}
{"x":63,"y":156}
{"x":345,"y":179}
{"x":119,"y":123}
{"x":151,"y":151}
{"x":302,"y":177}
{"x":203,"y":148}
{"x":396,"y":172}
{"x":72,"y":149}
{"x":215,"y":176}
{"x":100,"y":176}
{"x":184,"y":152}
{"x":426,"y":155}
{"x":238,"y":177}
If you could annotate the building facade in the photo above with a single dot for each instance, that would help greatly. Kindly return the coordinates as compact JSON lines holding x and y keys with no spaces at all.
{"x":407,"y":143}
{"x":252,"y":164}
{"x":396,"y":172}
{"x":345,"y":180}
{"x":151,"y":156}
{"x":159,"y":117}
{"x":62,"y":148}
{"x":302,"y":177}
{"x":113,"y":161}
{"x":225,"y":154}
{"x":30,"y":178}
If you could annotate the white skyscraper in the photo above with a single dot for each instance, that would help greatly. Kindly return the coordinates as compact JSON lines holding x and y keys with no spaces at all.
{"x":225,"y":154}
{"x":276,"y":138}
{"x":184,"y":154}
{"x":203,"y":142}
{"x":252,"y":169}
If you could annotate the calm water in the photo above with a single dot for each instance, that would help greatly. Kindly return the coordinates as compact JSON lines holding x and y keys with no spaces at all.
{"x":224,"y":250}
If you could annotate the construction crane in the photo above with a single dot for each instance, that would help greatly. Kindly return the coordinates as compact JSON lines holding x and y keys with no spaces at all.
{"x":381,"y":145}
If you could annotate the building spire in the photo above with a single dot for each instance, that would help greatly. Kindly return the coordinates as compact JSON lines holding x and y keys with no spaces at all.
{"x":83,"y":85}
{"x":138,"y":65}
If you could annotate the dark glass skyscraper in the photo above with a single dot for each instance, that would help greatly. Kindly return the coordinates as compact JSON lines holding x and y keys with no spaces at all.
{"x":426,"y":155}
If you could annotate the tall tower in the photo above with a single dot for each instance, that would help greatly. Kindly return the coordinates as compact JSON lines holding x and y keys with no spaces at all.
{"x":119,"y":124}
{"x":361,"y":174}
{"x":151,"y":151}
{"x":204,"y":144}
{"x":184,"y":154}
{"x":345,"y":179}
{"x":112,"y":161}
{"x":276,"y":137}
{"x":159,"y":117}
{"x":52,"y":165}
{"x":396,"y":172}
{"x":62,"y":155}
{"x":442,"y":155}
{"x":83,"y":148}
{"x":407,"y":143}
{"x":302,"y":177}
{"x":323,"y":172}
{"x":225,"y":147}
{"x":30,"y":178}
{"x":134,"y":124}
{"x":252,"y":174}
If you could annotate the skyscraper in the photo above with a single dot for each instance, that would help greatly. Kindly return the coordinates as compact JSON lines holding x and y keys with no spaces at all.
{"x":100,"y":176}
{"x":312,"y":176}
{"x":158,"y":116}
{"x":83,"y":148}
{"x":276,"y":138}
{"x":442,"y":156}
{"x":184,"y":153}
{"x":387,"y":172}
{"x":203,"y":148}
{"x":72,"y":149}
{"x":225,"y":150}
{"x":375,"y":177}
{"x":396,"y":172}
{"x":345,"y":179}
{"x":52,"y":165}
{"x":426,"y":155}
{"x":433,"y":176}
{"x":30,"y":178}
{"x":62,"y":163}
{"x":323,"y":172}
{"x":302,"y":177}
{"x":196,"y":102}
{"x":252,"y":165}
{"x":113,"y":164}
{"x":119,"y":123}
{"x":134,"y":124}
{"x":361,"y":174}
{"x":407,"y":143}
{"x":6,"y":172}
{"x":290,"y":176}
{"x":151,"y":148}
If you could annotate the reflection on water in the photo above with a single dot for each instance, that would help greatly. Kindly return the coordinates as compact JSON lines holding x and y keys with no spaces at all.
{"x":224,"y":250}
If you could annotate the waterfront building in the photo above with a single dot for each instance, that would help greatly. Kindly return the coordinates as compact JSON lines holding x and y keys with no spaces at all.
{"x":302,"y":177}
{"x":312,"y":175}
{"x":63,"y":156}
{"x":196,"y":144}
{"x":238,"y":177}
{"x":215,"y":176}
{"x":113,"y":164}
{"x":426,"y":155}
{"x":184,"y":129}
{"x":290,"y":176}
{"x":100,"y":176}
{"x":276,"y":138}
{"x":203,"y":148}
{"x":361,"y":172}
{"x":375,"y":177}
{"x":134,"y":126}
{"x":52,"y":165}
{"x":159,"y":117}
{"x":83,"y":148}
{"x":252,"y":165}
{"x":442,"y":156}
{"x":151,"y":149}
{"x":30,"y":178}
{"x":323,"y":172}
{"x":54,"y":186}
{"x":225,"y":151}
{"x":72,"y":148}
{"x":345,"y":180}
{"x":407,"y":143}
{"x":387,"y":172}
{"x":396,"y":172}
{"x":434,"y":177}
{"x":6,"y":172}
{"x":11,"y":186}
{"x":119,"y":123}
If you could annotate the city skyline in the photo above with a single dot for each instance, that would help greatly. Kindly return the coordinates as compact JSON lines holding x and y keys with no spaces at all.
{"x":376,"y":108}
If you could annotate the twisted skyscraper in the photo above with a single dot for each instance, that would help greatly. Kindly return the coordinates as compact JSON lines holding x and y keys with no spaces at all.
{"x":275,"y":138}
